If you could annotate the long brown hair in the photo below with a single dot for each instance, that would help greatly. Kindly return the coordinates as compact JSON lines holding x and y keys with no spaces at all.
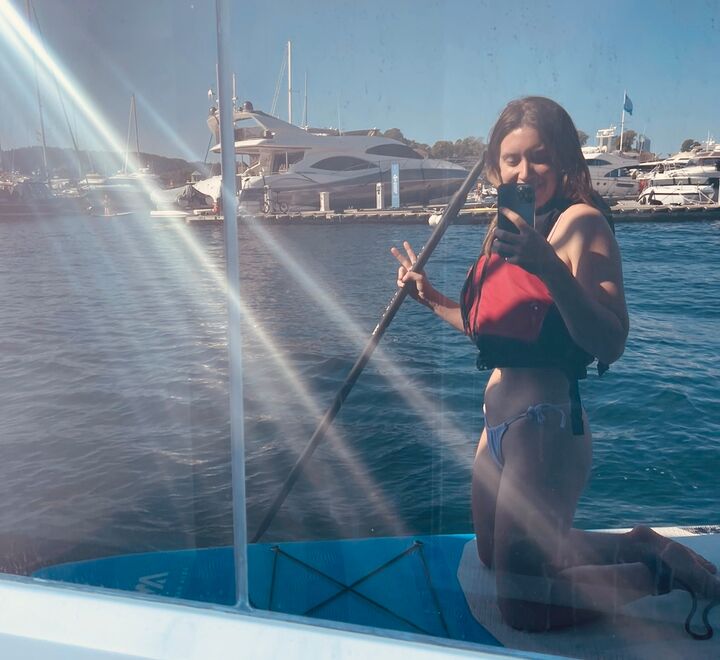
{"x":559,"y":135}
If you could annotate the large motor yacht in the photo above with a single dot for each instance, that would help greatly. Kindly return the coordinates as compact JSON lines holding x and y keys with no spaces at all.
{"x":612,"y":174}
{"x":283,"y":167}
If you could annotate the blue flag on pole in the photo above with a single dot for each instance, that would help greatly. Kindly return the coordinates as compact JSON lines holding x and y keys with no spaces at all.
{"x":627,"y":105}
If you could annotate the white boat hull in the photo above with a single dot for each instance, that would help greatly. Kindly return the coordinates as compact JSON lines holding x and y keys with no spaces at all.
{"x":681,"y":195}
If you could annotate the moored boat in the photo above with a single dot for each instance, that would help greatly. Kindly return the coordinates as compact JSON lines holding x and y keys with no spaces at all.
{"x":28,"y":198}
{"x":286,"y":167}
{"x":612,"y":174}
{"x":680,"y":192}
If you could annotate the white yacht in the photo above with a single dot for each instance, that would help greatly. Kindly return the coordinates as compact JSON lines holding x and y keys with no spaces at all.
{"x":683,"y":179}
{"x":677,"y":161}
{"x":282,"y":166}
{"x":612,"y":174}
{"x":697,"y":170}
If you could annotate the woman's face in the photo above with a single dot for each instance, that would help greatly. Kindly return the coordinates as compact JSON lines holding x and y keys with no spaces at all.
{"x":524,"y":159}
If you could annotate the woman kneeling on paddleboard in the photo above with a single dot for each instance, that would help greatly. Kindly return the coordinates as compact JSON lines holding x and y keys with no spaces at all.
{"x":541,"y":303}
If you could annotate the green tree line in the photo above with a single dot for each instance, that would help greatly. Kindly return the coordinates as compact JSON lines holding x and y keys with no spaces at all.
{"x":461,"y":149}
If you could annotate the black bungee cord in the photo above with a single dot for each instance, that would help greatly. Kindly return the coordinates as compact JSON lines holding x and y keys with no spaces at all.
{"x":665,"y":580}
{"x":705,"y":616}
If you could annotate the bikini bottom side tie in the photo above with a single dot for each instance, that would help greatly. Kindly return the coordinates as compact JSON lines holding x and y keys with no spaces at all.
{"x":535,"y":413}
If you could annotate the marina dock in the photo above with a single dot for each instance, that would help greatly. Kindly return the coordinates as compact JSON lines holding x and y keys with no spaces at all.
{"x":624,"y":212}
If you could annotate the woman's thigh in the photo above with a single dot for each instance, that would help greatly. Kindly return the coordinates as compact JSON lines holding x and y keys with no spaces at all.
{"x":485,"y":484}
{"x":546,"y":469}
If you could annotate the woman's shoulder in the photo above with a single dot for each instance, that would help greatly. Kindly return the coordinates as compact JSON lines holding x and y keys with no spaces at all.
{"x":585,"y":219}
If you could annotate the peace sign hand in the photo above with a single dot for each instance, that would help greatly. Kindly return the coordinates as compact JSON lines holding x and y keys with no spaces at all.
{"x":417,"y":284}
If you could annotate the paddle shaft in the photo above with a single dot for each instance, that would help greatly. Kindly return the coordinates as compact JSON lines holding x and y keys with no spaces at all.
{"x":449,"y":214}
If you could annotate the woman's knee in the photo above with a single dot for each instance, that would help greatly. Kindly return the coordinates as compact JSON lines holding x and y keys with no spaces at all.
{"x":485,"y":549}
{"x":526,"y":615}
{"x":524,"y":586}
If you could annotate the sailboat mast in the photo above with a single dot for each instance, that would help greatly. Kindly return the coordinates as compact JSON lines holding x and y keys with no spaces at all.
{"x":129,"y":135}
{"x":39,"y":101}
{"x":305,"y":117}
{"x":137,"y":135}
{"x":622,"y":122}
{"x":289,"y":60}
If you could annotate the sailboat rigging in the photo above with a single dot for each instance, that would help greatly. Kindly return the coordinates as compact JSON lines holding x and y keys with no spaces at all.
{"x":132,"y":119}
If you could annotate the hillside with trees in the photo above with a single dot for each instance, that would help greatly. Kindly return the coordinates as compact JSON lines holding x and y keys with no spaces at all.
{"x":68,"y":164}
{"x":465,"y":151}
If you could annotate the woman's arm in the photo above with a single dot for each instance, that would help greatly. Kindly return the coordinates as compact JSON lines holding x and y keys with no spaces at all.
{"x":448,"y":310}
{"x":582,"y":269}
{"x":586,"y":283}
{"x":420,"y":289}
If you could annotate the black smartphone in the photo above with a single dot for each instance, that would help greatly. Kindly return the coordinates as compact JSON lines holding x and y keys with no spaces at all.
{"x":518,"y":197}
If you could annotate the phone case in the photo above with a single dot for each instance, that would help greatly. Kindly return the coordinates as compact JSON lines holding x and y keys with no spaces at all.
{"x":518,"y":197}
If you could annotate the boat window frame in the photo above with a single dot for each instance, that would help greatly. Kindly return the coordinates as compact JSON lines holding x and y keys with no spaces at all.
{"x":367,"y":165}
{"x":597,"y":162}
{"x":282,"y":160}
{"x":622,"y":172}
{"x":404,"y":151}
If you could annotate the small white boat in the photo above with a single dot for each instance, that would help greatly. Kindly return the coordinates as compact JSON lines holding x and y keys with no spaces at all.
{"x":680,"y":193}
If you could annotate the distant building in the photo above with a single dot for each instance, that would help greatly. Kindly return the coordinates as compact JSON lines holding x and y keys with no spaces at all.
{"x":609,"y":141}
{"x":643,"y":143}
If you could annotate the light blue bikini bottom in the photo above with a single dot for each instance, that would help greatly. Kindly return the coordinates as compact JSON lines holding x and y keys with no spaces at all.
{"x":536,"y":413}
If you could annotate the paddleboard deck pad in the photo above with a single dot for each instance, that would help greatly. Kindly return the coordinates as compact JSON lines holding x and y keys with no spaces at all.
{"x":651,"y":628}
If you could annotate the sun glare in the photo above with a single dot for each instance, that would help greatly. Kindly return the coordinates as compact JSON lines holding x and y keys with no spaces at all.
{"x":30,"y":49}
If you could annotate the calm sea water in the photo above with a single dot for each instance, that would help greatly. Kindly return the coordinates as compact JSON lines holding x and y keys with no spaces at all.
{"x":113,"y":403}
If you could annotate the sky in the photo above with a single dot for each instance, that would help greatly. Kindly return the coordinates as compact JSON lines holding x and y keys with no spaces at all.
{"x":436,"y":70}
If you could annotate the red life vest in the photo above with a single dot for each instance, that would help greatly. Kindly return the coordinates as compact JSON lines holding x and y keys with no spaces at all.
{"x":514,"y":302}
{"x":510,"y":315}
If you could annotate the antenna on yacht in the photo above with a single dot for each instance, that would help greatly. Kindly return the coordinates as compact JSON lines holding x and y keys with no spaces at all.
{"x":305,"y":117}
{"x":289,"y":72}
{"x":641,"y":142}
{"x":278,"y":86}
{"x":447,"y":217}
{"x":234,"y":96}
